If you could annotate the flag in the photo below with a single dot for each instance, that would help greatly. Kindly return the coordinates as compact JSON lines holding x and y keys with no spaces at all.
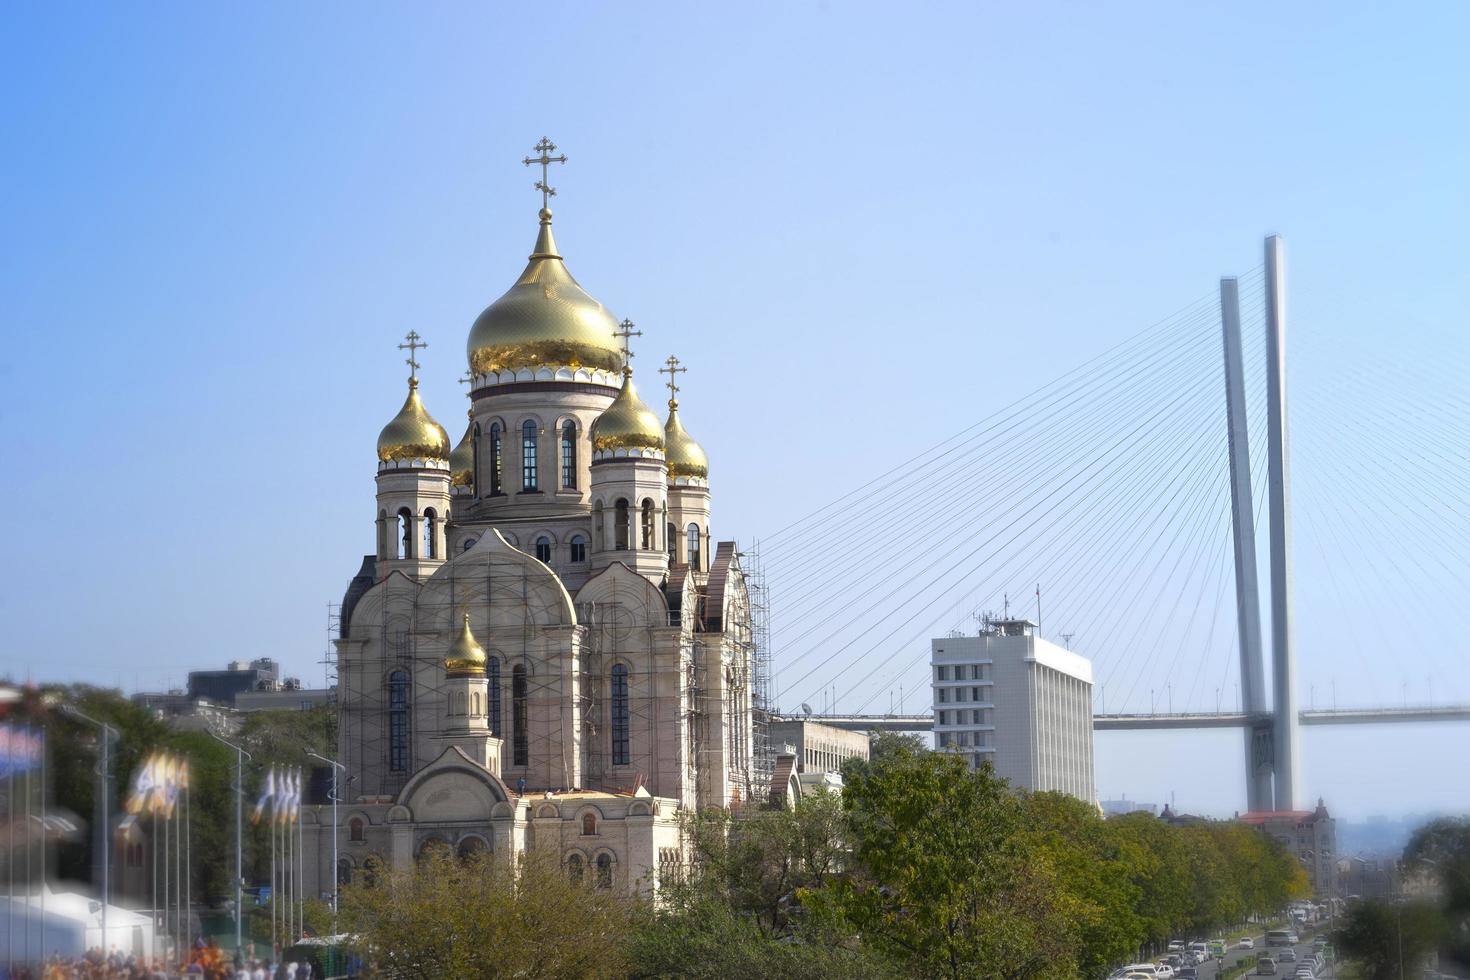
{"x":170,"y":794}
{"x":157,"y":772}
{"x":283,"y":798}
{"x":267,"y":795}
{"x":296,"y":796}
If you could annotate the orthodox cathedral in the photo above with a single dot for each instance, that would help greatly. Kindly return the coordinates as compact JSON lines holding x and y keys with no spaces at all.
{"x":547,"y":650}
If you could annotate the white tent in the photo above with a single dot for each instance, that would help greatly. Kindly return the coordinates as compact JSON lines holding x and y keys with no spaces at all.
{"x":68,"y":923}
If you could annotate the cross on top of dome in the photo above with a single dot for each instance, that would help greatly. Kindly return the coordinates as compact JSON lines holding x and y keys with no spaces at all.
{"x":544,"y":150}
{"x":625,"y":331}
{"x":415,"y":344}
{"x":672,"y":369}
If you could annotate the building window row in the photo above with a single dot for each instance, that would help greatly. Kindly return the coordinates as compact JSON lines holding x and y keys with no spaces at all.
{"x":966,"y":716}
{"x":965,"y":739}
{"x":962,"y":672}
{"x":959,"y":695}
{"x":530,"y":458}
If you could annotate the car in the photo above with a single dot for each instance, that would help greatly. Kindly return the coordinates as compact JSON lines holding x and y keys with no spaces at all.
{"x":1164,"y":971}
{"x":1287,"y":955}
{"x":1246,"y":943}
{"x":1187,"y":973}
{"x":1281,"y":937}
{"x":1142,"y":969}
{"x":1175,"y":960}
{"x":1266,"y":966}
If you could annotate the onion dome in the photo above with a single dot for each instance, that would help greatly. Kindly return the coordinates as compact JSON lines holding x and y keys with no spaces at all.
{"x":685,"y":456}
{"x":462,"y":460}
{"x":465,"y":655}
{"x":413,"y":433}
{"x":627,"y":423}
{"x":545,"y":319}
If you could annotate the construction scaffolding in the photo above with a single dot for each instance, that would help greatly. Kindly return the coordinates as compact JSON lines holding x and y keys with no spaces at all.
{"x":759,"y":656}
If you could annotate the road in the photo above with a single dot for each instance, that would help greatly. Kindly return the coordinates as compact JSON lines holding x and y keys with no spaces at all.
{"x":1208,"y":970}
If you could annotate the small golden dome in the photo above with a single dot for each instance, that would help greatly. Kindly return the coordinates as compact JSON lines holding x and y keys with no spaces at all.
{"x":413,"y":433}
{"x":462,"y":460}
{"x":627,"y":423}
{"x":545,"y":319}
{"x":686,"y":457}
{"x":465,"y":655}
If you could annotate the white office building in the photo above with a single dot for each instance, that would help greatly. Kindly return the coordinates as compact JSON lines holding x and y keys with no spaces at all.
{"x":1010,"y":698}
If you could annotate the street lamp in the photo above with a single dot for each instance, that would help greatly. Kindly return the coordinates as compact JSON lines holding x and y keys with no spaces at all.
{"x":240,"y":756}
{"x":336,"y":875}
{"x":103,"y":804}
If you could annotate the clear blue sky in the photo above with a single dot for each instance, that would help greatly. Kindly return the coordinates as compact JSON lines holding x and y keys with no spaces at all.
{"x":854,"y":222}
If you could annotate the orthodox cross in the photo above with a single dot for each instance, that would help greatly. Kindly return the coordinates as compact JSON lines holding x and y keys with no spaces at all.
{"x":415,"y":343}
{"x":625,"y":331}
{"x":545,"y":148}
{"x":468,"y":379}
{"x":673,"y":370}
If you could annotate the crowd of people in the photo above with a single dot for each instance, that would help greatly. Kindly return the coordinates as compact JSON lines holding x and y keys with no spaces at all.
{"x":207,"y":961}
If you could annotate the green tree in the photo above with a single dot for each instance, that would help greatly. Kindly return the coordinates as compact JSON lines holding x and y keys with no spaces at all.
{"x":1386,"y":940}
{"x":1441,"y":849}
{"x":944,"y":879}
{"x":485,"y":918}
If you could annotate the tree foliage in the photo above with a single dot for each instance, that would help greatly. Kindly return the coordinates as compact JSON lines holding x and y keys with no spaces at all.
{"x":486,"y":918}
{"x":1388,"y":940}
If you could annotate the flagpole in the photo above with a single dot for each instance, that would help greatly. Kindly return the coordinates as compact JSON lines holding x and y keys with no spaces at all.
{"x":44,"y":835}
{"x":275,"y":892}
{"x":178,"y":877}
{"x":188,"y":871}
{"x":153,"y":940}
{"x":9,"y":850}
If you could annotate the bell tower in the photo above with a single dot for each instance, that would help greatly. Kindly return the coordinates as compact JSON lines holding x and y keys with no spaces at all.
{"x":413,"y":484}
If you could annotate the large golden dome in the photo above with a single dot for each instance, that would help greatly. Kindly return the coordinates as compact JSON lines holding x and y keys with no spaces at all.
{"x":462,"y":460}
{"x":627,"y":423}
{"x":685,"y":456}
{"x":413,"y":433}
{"x":465,"y":655}
{"x":545,"y":319}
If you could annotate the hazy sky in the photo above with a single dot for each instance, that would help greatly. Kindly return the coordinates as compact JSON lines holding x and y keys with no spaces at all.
{"x":862,"y":227}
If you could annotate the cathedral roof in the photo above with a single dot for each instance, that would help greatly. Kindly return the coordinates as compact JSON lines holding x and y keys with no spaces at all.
{"x":686,"y":457}
{"x":545,"y":319}
{"x":413,"y":433}
{"x":462,"y":460}
{"x":466,"y":656}
{"x":627,"y":423}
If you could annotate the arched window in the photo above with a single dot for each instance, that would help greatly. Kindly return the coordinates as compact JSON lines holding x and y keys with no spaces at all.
{"x":578,"y":548}
{"x":471,"y":848}
{"x":492,"y":675}
{"x":671,"y":536}
{"x":475,"y":461}
{"x":620,"y":525}
{"x":618,"y":707}
{"x":405,"y":533}
{"x":431,"y":534}
{"x":604,"y":870}
{"x":599,"y":537}
{"x":543,"y":549}
{"x":475,"y":711}
{"x":693,"y":533}
{"x":589,"y":825}
{"x":355,"y":828}
{"x":469,"y":543}
{"x":574,"y":868}
{"x":520,"y":742}
{"x":647,"y":536}
{"x":344,"y":871}
{"x":382,"y":534}
{"x":569,"y":455}
{"x":433,"y":849}
{"x":398,"y":709}
{"x":495,"y":460}
{"x":528,"y":456}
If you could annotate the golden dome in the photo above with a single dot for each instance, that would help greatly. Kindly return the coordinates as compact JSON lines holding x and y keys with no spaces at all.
{"x":462,"y":460}
{"x":627,"y":423}
{"x":413,"y":433}
{"x":465,"y":655}
{"x":686,"y":457}
{"x":546,"y":318}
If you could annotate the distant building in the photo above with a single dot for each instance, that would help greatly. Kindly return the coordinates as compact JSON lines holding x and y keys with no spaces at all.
{"x":1116,"y":808}
{"x":1374,"y":877}
{"x":818,"y":748}
{"x":285,"y":699}
{"x":215,"y":698}
{"x":1010,"y":698}
{"x":1310,"y":836}
{"x":221,"y":686}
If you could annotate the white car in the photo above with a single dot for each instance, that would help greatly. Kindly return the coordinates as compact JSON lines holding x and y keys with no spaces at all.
{"x":1164,"y":971}
{"x":1246,"y":943}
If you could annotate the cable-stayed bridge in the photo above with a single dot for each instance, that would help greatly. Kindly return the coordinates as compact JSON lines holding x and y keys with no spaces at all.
{"x":1122,"y":505}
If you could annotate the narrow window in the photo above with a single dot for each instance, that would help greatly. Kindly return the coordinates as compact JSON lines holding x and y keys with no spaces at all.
{"x":354,"y":828}
{"x":519,"y":739}
{"x":495,"y":457}
{"x":405,"y":533}
{"x":528,"y":456}
{"x":398,"y":709}
{"x":569,"y":456}
{"x":647,"y":537}
{"x":671,"y":536}
{"x":344,"y":871}
{"x":574,"y":868}
{"x":620,"y":525}
{"x":475,"y":461}
{"x":589,"y":825}
{"x":598,"y":534}
{"x":604,"y":871}
{"x":431,"y":534}
{"x":693,"y":533}
{"x":382,"y":534}
{"x":619,"y":709}
{"x":543,"y":549}
{"x":579,"y":548}
{"x":492,"y":696}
